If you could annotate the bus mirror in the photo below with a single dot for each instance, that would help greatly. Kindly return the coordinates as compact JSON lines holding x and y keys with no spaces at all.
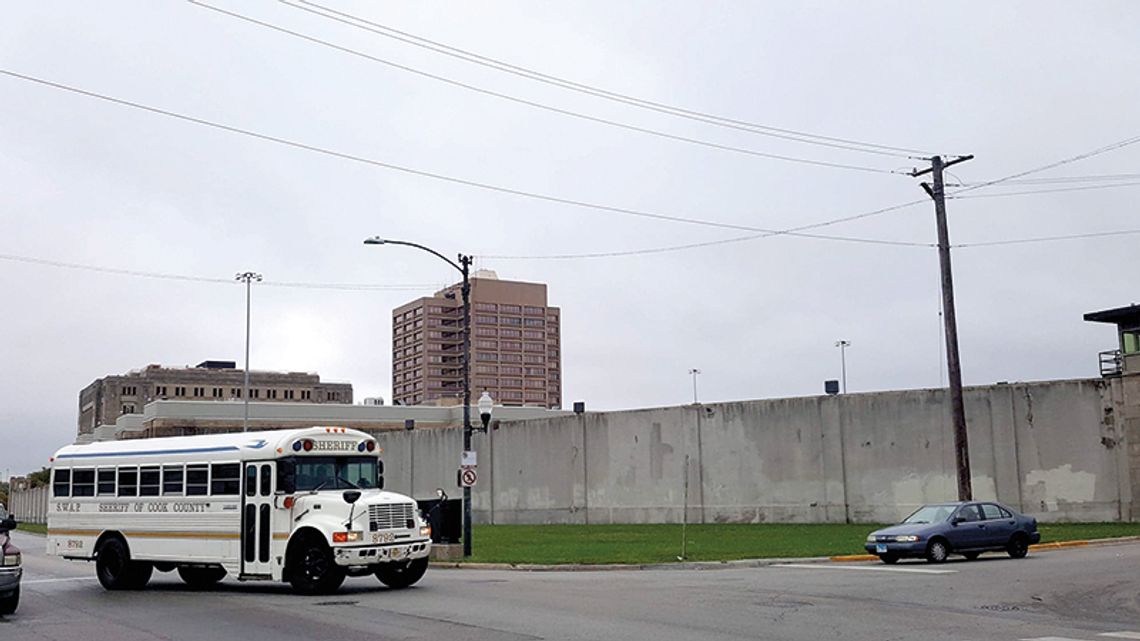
{"x":351,"y":496}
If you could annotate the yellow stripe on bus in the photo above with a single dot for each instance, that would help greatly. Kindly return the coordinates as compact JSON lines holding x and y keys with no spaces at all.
{"x":151,"y":534}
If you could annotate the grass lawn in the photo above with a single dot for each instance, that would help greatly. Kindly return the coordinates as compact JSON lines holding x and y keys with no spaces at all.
{"x":709,"y":542}
{"x":34,"y":528}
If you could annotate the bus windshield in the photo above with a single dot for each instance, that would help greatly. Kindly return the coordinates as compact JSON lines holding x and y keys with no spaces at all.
{"x":328,"y":473}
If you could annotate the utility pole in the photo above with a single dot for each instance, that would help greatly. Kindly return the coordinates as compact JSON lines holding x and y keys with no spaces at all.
{"x":843,"y":345}
{"x":937,"y":193}
{"x":247,"y":278}
{"x":694,"y":372}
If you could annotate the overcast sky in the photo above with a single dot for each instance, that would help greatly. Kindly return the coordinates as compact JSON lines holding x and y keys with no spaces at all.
{"x":1018,"y":84}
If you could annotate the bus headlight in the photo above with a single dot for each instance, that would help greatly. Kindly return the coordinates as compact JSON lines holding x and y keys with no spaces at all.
{"x":12,"y":560}
{"x":348,"y":537}
{"x":425,"y":530}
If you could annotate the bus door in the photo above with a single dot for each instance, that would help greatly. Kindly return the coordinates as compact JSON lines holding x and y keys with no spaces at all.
{"x":256,"y":521}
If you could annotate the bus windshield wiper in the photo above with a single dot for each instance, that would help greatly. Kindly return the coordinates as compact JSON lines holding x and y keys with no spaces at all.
{"x":344,"y":480}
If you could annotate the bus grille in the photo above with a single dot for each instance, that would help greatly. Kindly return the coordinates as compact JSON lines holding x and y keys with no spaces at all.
{"x":390,"y":516}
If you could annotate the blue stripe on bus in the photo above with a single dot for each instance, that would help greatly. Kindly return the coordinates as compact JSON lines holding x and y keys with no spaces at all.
{"x":228,"y":448}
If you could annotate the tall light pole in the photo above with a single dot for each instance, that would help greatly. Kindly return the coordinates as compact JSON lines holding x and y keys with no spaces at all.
{"x":694,"y":372}
{"x":843,"y":345}
{"x":248,"y":278}
{"x":463,"y":267}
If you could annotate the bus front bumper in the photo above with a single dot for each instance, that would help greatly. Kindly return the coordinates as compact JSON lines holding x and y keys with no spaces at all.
{"x":371,"y":554}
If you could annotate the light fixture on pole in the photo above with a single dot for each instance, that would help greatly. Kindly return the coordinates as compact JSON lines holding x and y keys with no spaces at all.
{"x":843,"y":345}
{"x":248,"y":278}
{"x":694,"y":372}
{"x":486,"y":406}
{"x":464,"y":268}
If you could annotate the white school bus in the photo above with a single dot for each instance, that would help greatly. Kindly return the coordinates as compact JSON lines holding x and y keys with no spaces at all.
{"x":305,"y":506}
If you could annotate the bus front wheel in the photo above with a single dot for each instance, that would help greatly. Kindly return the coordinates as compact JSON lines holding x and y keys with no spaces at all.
{"x":312,"y":569}
{"x":400,"y":575}
{"x":116,"y":570}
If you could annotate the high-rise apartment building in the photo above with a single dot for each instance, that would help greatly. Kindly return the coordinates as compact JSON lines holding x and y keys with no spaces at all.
{"x":516,"y":345}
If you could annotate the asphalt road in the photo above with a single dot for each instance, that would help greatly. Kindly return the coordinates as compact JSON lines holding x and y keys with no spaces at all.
{"x":1079,"y":593}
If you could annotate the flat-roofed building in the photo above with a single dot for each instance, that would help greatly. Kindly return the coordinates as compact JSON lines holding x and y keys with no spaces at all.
{"x":516,"y":345}
{"x":107,"y":398}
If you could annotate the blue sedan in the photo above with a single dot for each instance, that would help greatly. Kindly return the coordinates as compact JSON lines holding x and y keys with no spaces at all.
{"x":969,"y":528}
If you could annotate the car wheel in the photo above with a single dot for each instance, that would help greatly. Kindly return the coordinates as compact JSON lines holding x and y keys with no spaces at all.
{"x":971,"y":555}
{"x":115,"y":569}
{"x":9,"y":603}
{"x":400,"y":575}
{"x":889,"y":559}
{"x":1018,"y":547}
{"x":937,"y":551}
{"x":312,"y":569}
{"x":201,"y":577}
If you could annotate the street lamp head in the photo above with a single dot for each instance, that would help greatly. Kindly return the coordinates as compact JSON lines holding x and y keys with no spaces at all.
{"x":375,"y":240}
{"x":486,"y":406}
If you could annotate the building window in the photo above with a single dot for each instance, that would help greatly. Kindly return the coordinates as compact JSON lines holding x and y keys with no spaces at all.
{"x":512,"y":358}
{"x":332,"y":396}
{"x":510,"y":309}
{"x":1130,"y":341}
{"x":485,"y":319}
{"x":235,"y":392}
{"x":160,"y":390}
{"x":486,"y":382}
{"x":217,"y":391}
{"x":509,"y":369}
{"x":510,"y":333}
{"x":486,"y":369}
{"x":199,"y":392}
{"x":130,"y":390}
{"x":128,"y":408}
{"x":486,"y":344}
{"x":486,"y":356}
{"x":535,"y":347}
{"x":535,"y":359}
{"x":510,"y":320}
{"x":534,"y":322}
{"x":536,"y":371}
{"x":511,"y":382}
{"x":533,"y":333}
{"x":486,"y":331}
{"x":513,"y":346}
{"x":534,"y":311}
{"x":536,"y":382}
{"x":271,"y":394}
{"x":289,"y":394}
{"x":306,"y":395}
{"x":180,"y":391}
{"x":255,"y":393}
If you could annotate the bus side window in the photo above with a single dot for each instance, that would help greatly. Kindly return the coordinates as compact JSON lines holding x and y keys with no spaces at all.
{"x":379,"y":474}
{"x":225,"y":478}
{"x":197,"y":480}
{"x":128,"y":481}
{"x":172,"y":479}
{"x":150,"y":483}
{"x":250,"y":480}
{"x":83,"y":482}
{"x":106,"y":482}
{"x":61,"y":485}
{"x":286,"y":476}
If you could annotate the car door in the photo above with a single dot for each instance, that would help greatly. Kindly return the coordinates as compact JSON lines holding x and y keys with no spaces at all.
{"x":999,"y":525}
{"x":963,"y":532}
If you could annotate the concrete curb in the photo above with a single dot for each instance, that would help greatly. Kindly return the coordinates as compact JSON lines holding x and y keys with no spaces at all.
{"x":725,"y":565}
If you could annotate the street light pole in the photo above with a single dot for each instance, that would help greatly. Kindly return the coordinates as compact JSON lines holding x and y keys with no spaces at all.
{"x":693,"y":372}
{"x":464,"y":268}
{"x":843,"y":345}
{"x":247,"y":278}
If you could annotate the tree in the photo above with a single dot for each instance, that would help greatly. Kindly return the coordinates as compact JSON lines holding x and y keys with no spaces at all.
{"x":40,"y":478}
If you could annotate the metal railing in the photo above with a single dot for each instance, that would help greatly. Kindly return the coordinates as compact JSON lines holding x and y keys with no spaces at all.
{"x":1111,"y":363}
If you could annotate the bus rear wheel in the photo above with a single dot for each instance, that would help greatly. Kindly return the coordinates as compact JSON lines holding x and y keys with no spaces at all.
{"x":400,"y":575}
{"x":198,"y":577}
{"x":312,"y":569}
{"x":116,"y":570}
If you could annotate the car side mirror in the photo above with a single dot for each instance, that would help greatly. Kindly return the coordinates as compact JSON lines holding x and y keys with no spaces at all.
{"x":351,"y":496}
{"x":956,"y":520}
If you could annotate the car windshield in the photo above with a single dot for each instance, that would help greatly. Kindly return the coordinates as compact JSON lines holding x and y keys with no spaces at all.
{"x":328,"y":473}
{"x":930,"y":514}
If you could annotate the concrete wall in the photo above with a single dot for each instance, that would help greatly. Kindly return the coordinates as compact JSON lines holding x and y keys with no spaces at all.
{"x":1052,"y":449}
{"x":29,"y":506}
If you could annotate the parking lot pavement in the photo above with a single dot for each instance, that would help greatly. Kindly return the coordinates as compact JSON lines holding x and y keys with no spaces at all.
{"x":1088,"y":594}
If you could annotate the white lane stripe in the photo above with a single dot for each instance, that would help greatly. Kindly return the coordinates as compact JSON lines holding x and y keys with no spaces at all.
{"x":1121,"y":635}
{"x":1052,"y":639}
{"x":864,"y":568}
{"x":72,"y":578}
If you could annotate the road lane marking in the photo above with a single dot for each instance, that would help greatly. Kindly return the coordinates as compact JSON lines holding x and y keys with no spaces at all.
{"x":865,"y":568}
{"x":1120,"y":635}
{"x":1052,"y":639}
{"x":70,"y":578}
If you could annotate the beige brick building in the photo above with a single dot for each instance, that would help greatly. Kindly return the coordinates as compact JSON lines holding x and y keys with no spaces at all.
{"x":107,"y":398}
{"x":516,"y":352}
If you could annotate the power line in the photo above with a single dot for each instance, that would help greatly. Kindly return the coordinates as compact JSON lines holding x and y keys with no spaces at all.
{"x":538,"y":105}
{"x":1053,"y":165}
{"x":1058,"y":180}
{"x":1048,"y":191}
{"x":419,"y":172}
{"x":1043,"y":239}
{"x":506,"y":67}
{"x":31,"y":260}
{"x":728,"y":241}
